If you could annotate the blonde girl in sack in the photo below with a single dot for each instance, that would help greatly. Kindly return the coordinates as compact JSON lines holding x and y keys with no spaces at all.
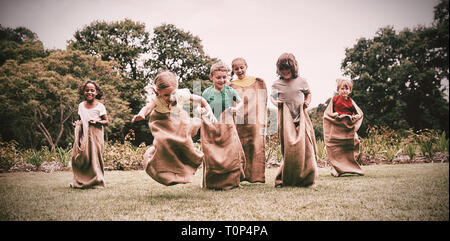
{"x":172,"y":159}
{"x":251,"y":119}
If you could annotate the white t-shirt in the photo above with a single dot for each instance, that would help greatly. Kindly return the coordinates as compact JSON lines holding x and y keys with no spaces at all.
{"x":90,"y":114}
{"x":182,"y":96}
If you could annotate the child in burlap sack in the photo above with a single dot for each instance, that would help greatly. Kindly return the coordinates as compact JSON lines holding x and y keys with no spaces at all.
{"x":251,"y":121}
{"x":87,"y":152}
{"x":292,"y":95}
{"x":341,"y":121}
{"x":224,"y":156}
{"x":172,"y":159}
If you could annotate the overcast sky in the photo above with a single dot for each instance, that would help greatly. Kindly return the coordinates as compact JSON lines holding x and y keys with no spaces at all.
{"x":316,"y":32}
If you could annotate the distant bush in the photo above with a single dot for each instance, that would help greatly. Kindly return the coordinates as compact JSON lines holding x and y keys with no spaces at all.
{"x":37,"y":157}
{"x":124,"y":156}
{"x":63,"y":155}
{"x":321,"y":151}
{"x":273,"y":148}
{"x":9,"y":155}
{"x":381,"y":142}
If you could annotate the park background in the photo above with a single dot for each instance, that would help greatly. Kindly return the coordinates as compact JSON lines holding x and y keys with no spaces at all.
{"x":396,"y":52}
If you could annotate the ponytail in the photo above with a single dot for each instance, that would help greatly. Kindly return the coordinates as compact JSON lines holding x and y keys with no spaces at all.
{"x":153,"y":88}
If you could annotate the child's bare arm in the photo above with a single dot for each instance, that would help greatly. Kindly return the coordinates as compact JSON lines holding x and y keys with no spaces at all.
{"x":275,"y":102}
{"x":144,"y":112}
{"x":238,"y":107}
{"x":207,"y":111}
{"x":203,"y":102}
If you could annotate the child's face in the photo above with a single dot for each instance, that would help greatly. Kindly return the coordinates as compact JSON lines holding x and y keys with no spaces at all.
{"x":344,"y":90}
{"x":240,"y":68}
{"x":219,"y":78}
{"x":167,"y":94}
{"x":90,"y":92}
{"x":286,"y":74}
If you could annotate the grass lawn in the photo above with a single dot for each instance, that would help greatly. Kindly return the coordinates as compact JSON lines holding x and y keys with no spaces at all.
{"x":386,"y":192}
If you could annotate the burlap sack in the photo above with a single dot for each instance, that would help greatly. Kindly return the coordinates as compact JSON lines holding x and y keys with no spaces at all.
{"x":87,"y":158}
{"x":224,"y":157}
{"x":250,"y":127}
{"x":172,"y":159}
{"x":298,"y":147}
{"x":341,"y":141}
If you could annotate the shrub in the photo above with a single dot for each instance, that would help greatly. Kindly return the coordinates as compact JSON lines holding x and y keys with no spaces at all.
{"x":124,"y":156}
{"x":272,"y":148}
{"x":411,"y":150}
{"x":37,"y":157}
{"x":426,"y":139}
{"x":442,"y":144}
{"x":321,"y":152}
{"x":390,"y":152}
{"x":9,"y":155}
{"x":63,"y":155}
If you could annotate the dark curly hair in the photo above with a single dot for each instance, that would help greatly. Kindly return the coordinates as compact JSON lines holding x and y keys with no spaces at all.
{"x":97,"y":87}
{"x":287,"y":61}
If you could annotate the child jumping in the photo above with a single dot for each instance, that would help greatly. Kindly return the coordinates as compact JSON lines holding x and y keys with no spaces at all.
{"x":87,"y":159}
{"x":224,"y":156}
{"x":172,"y":159}
{"x":251,"y":123}
{"x":292,"y":95}
{"x":341,"y":121}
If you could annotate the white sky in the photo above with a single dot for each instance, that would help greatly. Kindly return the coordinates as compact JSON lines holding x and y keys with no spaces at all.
{"x":316,"y":32}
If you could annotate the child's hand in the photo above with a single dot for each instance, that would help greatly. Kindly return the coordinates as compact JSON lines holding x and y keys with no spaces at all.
{"x":210,"y":117}
{"x":234,"y":110}
{"x":200,"y":110}
{"x":306,"y":104}
{"x":343,"y":116}
{"x":355,"y":117}
{"x":137,"y":118}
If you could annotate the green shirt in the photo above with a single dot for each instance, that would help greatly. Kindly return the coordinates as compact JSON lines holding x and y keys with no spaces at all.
{"x":220,"y":101}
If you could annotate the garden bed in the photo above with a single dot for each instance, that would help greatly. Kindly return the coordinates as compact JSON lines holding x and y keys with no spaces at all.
{"x":365,"y":160}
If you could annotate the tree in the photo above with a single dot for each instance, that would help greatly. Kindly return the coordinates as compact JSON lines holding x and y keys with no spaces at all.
{"x":124,"y":42}
{"x":20,"y":44}
{"x":180,"y":52}
{"x":440,"y":42}
{"x":396,"y":80}
{"x":40,"y":98}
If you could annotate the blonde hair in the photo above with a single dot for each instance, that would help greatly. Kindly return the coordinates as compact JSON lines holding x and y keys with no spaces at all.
{"x":164,"y":80}
{"x":341,"y":82}
{"x":287,"y":61}
{"x":233,"y":63}
{"x":218,"y":66}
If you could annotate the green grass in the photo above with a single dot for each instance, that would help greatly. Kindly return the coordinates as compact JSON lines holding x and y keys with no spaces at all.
{"x":386,"y":192}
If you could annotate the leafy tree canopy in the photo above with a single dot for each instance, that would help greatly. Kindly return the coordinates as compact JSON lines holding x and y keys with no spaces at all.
{"x":39,"y":99}
{"x":124,"y":42}
{"x":20,"y":44}
{"x":180,"y":52}
{"x":398,"y":77}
